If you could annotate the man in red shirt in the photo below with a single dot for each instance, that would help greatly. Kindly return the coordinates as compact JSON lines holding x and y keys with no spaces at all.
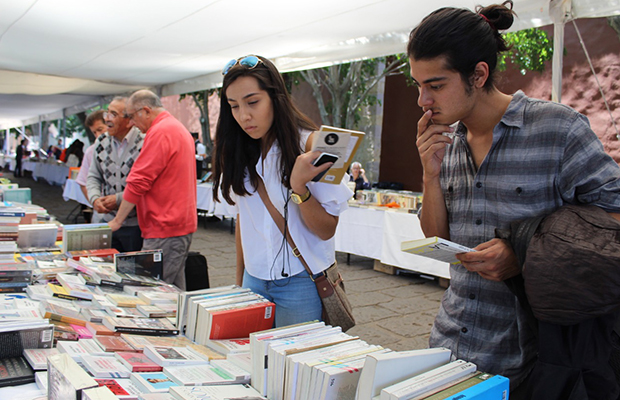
{"x":162,"y":184}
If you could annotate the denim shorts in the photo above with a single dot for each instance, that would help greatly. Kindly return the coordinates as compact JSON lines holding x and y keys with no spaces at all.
{"x":296,"y":298}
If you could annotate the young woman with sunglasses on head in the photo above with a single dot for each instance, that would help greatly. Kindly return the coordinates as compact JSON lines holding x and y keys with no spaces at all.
{"x":261,"y":135}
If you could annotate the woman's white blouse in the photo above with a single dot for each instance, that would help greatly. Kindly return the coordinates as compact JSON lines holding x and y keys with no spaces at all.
{"x":266,"y":254}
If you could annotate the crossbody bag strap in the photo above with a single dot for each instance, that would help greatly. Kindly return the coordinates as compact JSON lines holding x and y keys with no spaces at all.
{"x":280,"y":223}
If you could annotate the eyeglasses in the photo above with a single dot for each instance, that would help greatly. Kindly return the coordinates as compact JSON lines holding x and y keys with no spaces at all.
{"x":130,"y":116}
{"x":112,"y":115}
{"x":248,"y":61}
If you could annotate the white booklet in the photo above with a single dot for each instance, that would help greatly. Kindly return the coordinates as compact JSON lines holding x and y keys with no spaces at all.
{"x":436,"y":248}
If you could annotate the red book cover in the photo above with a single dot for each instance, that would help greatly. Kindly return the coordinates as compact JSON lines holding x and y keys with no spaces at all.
{"x":76,"y":254}
{"x":240,"y":322}
{"x":137,"y":362}
{"x":113,"y":343}
{"x":114,"y":386}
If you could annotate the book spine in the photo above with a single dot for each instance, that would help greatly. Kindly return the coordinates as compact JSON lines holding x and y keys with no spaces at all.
{"x":150,"y":332}
{"x":64,"y":318}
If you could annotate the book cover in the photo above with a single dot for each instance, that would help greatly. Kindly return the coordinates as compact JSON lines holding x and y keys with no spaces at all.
{"x":155,"y":396}
{"x":100,"y":329}
{"x":339,"y":142}
{"x":64,"y":318}
{"x":15,"y":371}
{"x":40,"y":377}
{"x":386,"y":369}
{"x":66,"y":379}
{"x":436,"y":248}
{"x":228,"y":346}
{"x":98,"y":393}
{"x":37,"y":358}
{"x":137,"y":362}
{"x":62,"y":293}
{"x":240,"y":322}
{"x":154,"y":311}
{"x":123,"y":389}
{"x":102,"y":252}
{"x":217,"y":392}
{"x":427,"y":381}
{"x":112,"y":343}
{"x":15,"y":341}
{"x":86,"y":238}
{"x":144,"y":262}
{"x":73,"y":348}
{"x":169,"y":356}
{"x":61,"y":307}
{"x":123,"y":300}
{"x":152,"y":382}
{"x":37,"y":235}
{"x":105,"y":367}
{"x":494,"y":387}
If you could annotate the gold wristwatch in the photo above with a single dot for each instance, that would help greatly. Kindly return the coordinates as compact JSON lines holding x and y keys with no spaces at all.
{"x":300,"y":198}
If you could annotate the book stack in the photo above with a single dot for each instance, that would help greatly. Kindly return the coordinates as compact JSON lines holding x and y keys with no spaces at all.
{"x":9,"y":228}
{"x":224,"y":314}
{"x":15,"y":277}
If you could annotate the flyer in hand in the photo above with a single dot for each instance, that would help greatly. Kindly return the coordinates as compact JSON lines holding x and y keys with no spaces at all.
{"x":339,"y":142}
{"x":436,"y":248}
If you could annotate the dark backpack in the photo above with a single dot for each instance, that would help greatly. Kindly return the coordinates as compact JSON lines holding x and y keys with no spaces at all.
{"x":570,"y":289}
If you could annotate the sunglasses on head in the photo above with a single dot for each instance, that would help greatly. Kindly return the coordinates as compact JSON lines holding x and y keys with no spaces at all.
{"x":248,"y":61}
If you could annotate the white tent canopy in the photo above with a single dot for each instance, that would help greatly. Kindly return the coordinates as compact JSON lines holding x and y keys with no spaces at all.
{"x":59,"y":57}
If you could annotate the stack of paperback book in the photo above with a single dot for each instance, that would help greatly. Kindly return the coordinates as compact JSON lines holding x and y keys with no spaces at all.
{"x":15,"y":277}
{"x":223,"y":313}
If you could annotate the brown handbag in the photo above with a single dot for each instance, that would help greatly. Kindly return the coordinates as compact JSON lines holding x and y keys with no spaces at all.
{"x":337,"y":309}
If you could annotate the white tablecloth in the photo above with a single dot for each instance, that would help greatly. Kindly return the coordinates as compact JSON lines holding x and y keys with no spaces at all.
{"x":205,"y":202}
{"x":378,"y":234}
{"x":54,"y":174}
{"x":72,"y":191}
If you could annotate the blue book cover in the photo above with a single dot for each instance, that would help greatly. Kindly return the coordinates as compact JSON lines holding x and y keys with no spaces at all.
{"x":495,"y":388}
{"x":154,"y":382}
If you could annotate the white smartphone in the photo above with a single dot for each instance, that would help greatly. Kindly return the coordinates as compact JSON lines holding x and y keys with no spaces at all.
{"x":322,"y":159}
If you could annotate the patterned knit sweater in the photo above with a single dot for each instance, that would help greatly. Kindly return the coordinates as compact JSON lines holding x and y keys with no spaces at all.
{"x":109,"y":170}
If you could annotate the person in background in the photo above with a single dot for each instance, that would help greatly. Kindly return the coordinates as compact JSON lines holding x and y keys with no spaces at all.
{"x":74,"y":154}
{"x":55,"y":150}
{"x":201,"y":155}
{"x":261,"y":135}
{"x":114,"y":156}
{"x":162,"y":185}
{"x":96,"y":124}
{"x":358,"y":175}
{"x":20,"y":153}
{"x":475,"y":180}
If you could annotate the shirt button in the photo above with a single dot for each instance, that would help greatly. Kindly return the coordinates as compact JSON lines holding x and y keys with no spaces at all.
{"x":479,"y":185}
{"x":478,"y":221}
{"x":518,"y":190}
{"x":464,"y":330}
{"x":472,"y":296}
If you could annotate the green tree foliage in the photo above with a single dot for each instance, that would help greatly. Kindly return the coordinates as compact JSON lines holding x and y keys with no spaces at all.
{"x":529,"y":50}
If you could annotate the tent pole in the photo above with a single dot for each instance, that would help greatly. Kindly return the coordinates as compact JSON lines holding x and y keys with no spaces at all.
{"x":557,"y":63}
{"x":559,"y":11}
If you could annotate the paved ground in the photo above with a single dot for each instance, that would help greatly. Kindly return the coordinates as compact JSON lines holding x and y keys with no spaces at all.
{"x":394,"y":311}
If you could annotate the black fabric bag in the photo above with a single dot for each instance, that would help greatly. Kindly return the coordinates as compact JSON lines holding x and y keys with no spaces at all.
{"x":196,"y":272}
{"x":570,"y":290}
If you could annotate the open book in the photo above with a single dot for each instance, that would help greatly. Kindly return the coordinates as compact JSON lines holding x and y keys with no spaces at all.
{"x":340,"y":142}
{"x":436,"y":248}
